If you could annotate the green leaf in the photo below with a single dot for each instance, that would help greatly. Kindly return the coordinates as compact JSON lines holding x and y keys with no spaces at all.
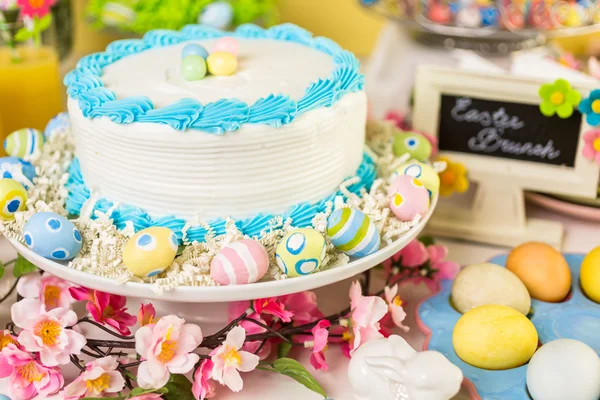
{"x":179,"y":388}
{"x":284,"y":349}
{"x":23,"y":35}
{"x":295,"y":370}
{"x":1,"y":269}
{"x":43,"y":24}
{"x":22,"y":267}
{"x":427,"y":240}
{"x":138,"y":391}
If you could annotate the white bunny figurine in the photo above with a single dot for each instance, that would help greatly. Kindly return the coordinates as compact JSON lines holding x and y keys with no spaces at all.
{"x":389,"y":369}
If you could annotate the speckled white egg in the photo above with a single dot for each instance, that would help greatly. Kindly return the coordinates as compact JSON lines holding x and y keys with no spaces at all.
{"x":150,"y":251}
{"x":300,"y":252}
{"x":13,"y":197}
{"x":239,"y":263}
{"x":423,"y":172}
{"x":52,"y":236}
{"x":24,"y":142}
{"x":409,"y":198}
{"x":564,"y":369}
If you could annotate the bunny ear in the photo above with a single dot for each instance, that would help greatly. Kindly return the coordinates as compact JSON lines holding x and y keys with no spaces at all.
{"x":400,"y":347}
{"x":386,"y":367}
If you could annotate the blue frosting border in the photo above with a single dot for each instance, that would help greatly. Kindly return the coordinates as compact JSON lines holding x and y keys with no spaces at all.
{"x":300,"y":214}
{"x":85,"y":85}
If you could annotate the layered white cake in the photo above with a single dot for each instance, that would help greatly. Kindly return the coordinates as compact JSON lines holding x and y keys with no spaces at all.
{"x":276,"y":138}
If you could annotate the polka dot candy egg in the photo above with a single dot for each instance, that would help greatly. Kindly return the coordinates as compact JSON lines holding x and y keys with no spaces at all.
{"x":409,"y":198}
{"x":423,"y":172}
{"x":300,"y":252}
{"x":52,"y":236}
{"x":13,"y":197}
{"x":353,"y":233}
{"x":24,"y":142}
{"x":239,"y":263}
{"x":150,"y":251}
{"x":412,"y":143}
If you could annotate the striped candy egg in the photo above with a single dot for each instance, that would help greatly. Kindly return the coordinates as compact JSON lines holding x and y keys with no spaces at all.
{"x":424,"y":172}
{"x":13,"y":197}
{"x":409,"y":198}
{"x":24,"y":142}
{"x":300,"y":252}
{"x":17,"y":169}
{"x":150,"y":251}
{"x":239,"y":263}
{"x":52,"y":236}
{"x":352,"y":232}
{"x":59,"y":123}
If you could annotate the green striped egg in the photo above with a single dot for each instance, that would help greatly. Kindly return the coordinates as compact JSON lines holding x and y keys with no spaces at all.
{"x":352,"y":232}
{"x":24,"y":142}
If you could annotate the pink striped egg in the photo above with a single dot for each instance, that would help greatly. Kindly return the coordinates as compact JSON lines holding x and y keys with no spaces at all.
{"x":241,"y":262}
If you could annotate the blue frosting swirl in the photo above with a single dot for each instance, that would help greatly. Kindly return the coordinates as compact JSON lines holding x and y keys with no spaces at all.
{"x":222,"y":116}
{"x":300,"y":214}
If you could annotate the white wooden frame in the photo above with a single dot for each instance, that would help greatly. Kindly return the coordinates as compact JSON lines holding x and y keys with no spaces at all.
{"x":498,"y":213}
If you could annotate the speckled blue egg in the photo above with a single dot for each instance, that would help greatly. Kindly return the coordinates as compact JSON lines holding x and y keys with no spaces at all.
{"x":59,"y":123}
{"x":193,"y":49}
{"x":16,"y":168}
{"x":52,"y":236}
{"x":218,"y":15}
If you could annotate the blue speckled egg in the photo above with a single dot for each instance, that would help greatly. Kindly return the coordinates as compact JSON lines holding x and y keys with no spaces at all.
{"x":59,"y":123}
{"x":352,"y":232}
{"x":193,"y":49}
{"x":218,"y":15}
{"x":24,"y":142}
{"x":13,"y":197}
{"x":150,"y":251}
{"x":52,"y":236}
{"x":300,"y":252}
{"x":16,"y":168}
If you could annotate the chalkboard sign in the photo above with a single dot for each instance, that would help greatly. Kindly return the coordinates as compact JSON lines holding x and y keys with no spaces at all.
{"x":507,"y":130}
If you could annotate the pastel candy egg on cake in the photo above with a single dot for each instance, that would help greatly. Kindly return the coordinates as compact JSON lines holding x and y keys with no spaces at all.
{"x":52,"y":236}
{"x":193,"y":49}
{"x":352,"y":232}
{"x":59,"y":123}
{"x":221,"y":63}
{"x":415,"y":144}
{"x":193,"y":68}
{"x":24,"y":142}
{"x":300,"y":252}
{"x":218,"y":15}
{"x":241,"y":262}
{"x":423,"y":172}
{"x":17,"y":169}
{"x":13,"y":198}
{"x":409,"y":198}
{"x":227,"y":44}
{"x":150,"y":251}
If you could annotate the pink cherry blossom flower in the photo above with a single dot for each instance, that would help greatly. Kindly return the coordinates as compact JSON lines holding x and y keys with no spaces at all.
{"x":412,"y":255}
{"x":27,"y":377}
{"x":395,"y":307}
{"x":320,"y":334}
{"x":274,"y":307}
{"x":100,"y":377}
{"x":167,"y":348}
{"x":237,"y":308}
{"x":146,"y":315}
{"x":366,"y":313}
{"x":203,"y":387}
{"x":108,"y":309}
{"x":591,"y":149}
{"x":251,"y":329}
{"x":7,"y":338}
{"x":445,"y":269}
{"x":303,"y":305}
{"x":35,"y":8}
{"x":228,"y":359}
{"x":52,"y":291}
{"x":46,"y":332}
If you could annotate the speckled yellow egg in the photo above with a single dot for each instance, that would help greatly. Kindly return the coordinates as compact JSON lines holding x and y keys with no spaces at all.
{"x":300,"y":252}
{"x":221,"y":63}
{"x":13,"y":197}
{"x":423,"y":172}
{"x":150,"y":251}
{"x":543,"y":270}
{"x":590,"y":275}
{"x":494,"y":337}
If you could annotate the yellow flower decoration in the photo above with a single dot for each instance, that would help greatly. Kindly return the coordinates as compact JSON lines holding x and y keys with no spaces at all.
{"x":453,"y":178}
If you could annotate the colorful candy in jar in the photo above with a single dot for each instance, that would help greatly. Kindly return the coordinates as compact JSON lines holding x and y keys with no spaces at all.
{"x":468,"y":17}
{"x":59,"y":123}
{"x":439,"y":13}
{"x":409,"y":198}
{"x":194,"y":49}
{"x":300,"y":252}
{"x":239,"y":263}
{"x":193,"y":68}
{"x":423,"y":172}
{"x":227,"y":44}
{"x":352,"y":232}
{"x":489,"y":16}
{"x":52,"y":236}
{"x":150,"y":251}
{"x":17,"y":169}
{"x":221,"y":64}
{"x":412,"y":143}
{"x":24,"y":142}
{"x":217,"y":15}
{"x":590,"y":275}
{"x":13,"y":198}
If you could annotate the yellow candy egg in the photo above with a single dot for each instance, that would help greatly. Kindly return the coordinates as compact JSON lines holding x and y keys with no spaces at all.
{"x":221,"y":63}
{"x":150,"y":251}
{"x":300,"y":252}
{"x":13,"y":197}
{"x":423,"y":172}
{"x":590,"y":275}
{"x":494,"y":337}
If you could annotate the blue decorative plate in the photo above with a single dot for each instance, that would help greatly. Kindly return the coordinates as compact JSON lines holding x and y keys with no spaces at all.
{"x":576,"y":318}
